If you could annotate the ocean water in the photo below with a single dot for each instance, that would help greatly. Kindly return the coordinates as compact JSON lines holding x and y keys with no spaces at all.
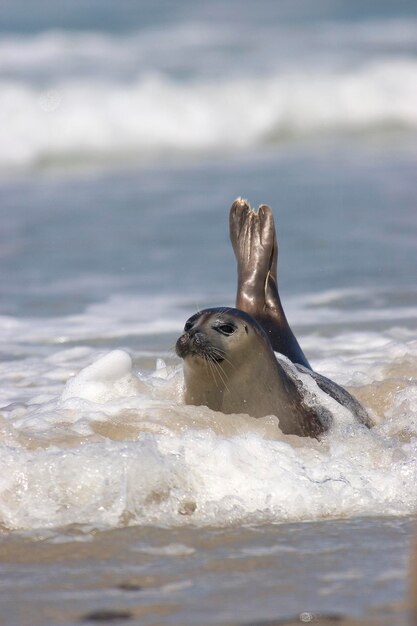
{"x":126,"y":133}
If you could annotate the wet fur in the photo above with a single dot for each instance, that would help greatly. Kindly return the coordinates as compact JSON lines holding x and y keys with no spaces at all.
{"x":239,"y":373}
{"x":244,"y":376}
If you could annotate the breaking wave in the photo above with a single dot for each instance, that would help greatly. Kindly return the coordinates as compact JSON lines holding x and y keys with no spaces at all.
{"x":78,"y":120}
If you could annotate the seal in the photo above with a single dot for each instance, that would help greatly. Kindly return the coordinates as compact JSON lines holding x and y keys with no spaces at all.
{"x":230,"y":366}
{"x":229,"y":356}
{"x":254,"y":241}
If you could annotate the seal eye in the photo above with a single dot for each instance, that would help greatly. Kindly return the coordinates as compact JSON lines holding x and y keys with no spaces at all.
{"x":225,"y":329}
{"x":188,"y":326}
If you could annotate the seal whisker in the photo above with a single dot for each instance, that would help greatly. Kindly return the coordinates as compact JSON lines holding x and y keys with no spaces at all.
{"x":208,"y":364}
{"x":220,"y":355}
{"x":229,"y":362}
{"x":211,"y":364}
{"x":216,"y":354}
{"x":172,"y":352}
{"x":222,"y":374}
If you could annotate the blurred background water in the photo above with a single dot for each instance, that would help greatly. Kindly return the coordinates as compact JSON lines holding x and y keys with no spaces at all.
{"x":127,"y":129}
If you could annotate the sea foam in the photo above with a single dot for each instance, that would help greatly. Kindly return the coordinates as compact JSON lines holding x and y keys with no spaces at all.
{"x":119,"y":447}
{"x":153,"y":116}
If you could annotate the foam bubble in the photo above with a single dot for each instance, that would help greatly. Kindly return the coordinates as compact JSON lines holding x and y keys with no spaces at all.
{"x":107,"y":379}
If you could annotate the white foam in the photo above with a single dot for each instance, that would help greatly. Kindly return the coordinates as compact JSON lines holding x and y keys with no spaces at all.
{"x":107,"y":379}
{"x":117,"y":317}
{"x":153,"y":116}
{"x":116,"y":447}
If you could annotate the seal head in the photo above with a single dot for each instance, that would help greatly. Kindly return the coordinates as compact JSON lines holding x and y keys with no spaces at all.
{"x":230,"y":366}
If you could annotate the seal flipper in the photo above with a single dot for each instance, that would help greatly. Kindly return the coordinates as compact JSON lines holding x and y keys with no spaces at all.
{"x":253,"y":249}
{"x":255,"y":246}
{"x":338,"y":393}
{"x":254,"y":242}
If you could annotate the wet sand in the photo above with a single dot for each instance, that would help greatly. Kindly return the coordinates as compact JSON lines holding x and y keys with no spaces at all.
{"x":330,"y":572}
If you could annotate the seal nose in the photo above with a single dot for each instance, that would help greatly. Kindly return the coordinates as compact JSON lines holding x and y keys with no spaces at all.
{"x":188,"y":341}
{"x":182,"y":347}
{"x":195,"y":336}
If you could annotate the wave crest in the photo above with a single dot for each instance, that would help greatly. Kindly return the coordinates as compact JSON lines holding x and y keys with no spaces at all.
{"x":154,"y":117}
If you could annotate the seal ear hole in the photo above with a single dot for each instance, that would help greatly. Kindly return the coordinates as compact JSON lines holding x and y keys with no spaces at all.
{"x":246,"y":330}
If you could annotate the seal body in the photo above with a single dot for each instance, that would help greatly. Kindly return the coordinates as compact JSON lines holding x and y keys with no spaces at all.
{"x":230,"y":366}
{"x":254,"y":241}
{"x":229,"y":359}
